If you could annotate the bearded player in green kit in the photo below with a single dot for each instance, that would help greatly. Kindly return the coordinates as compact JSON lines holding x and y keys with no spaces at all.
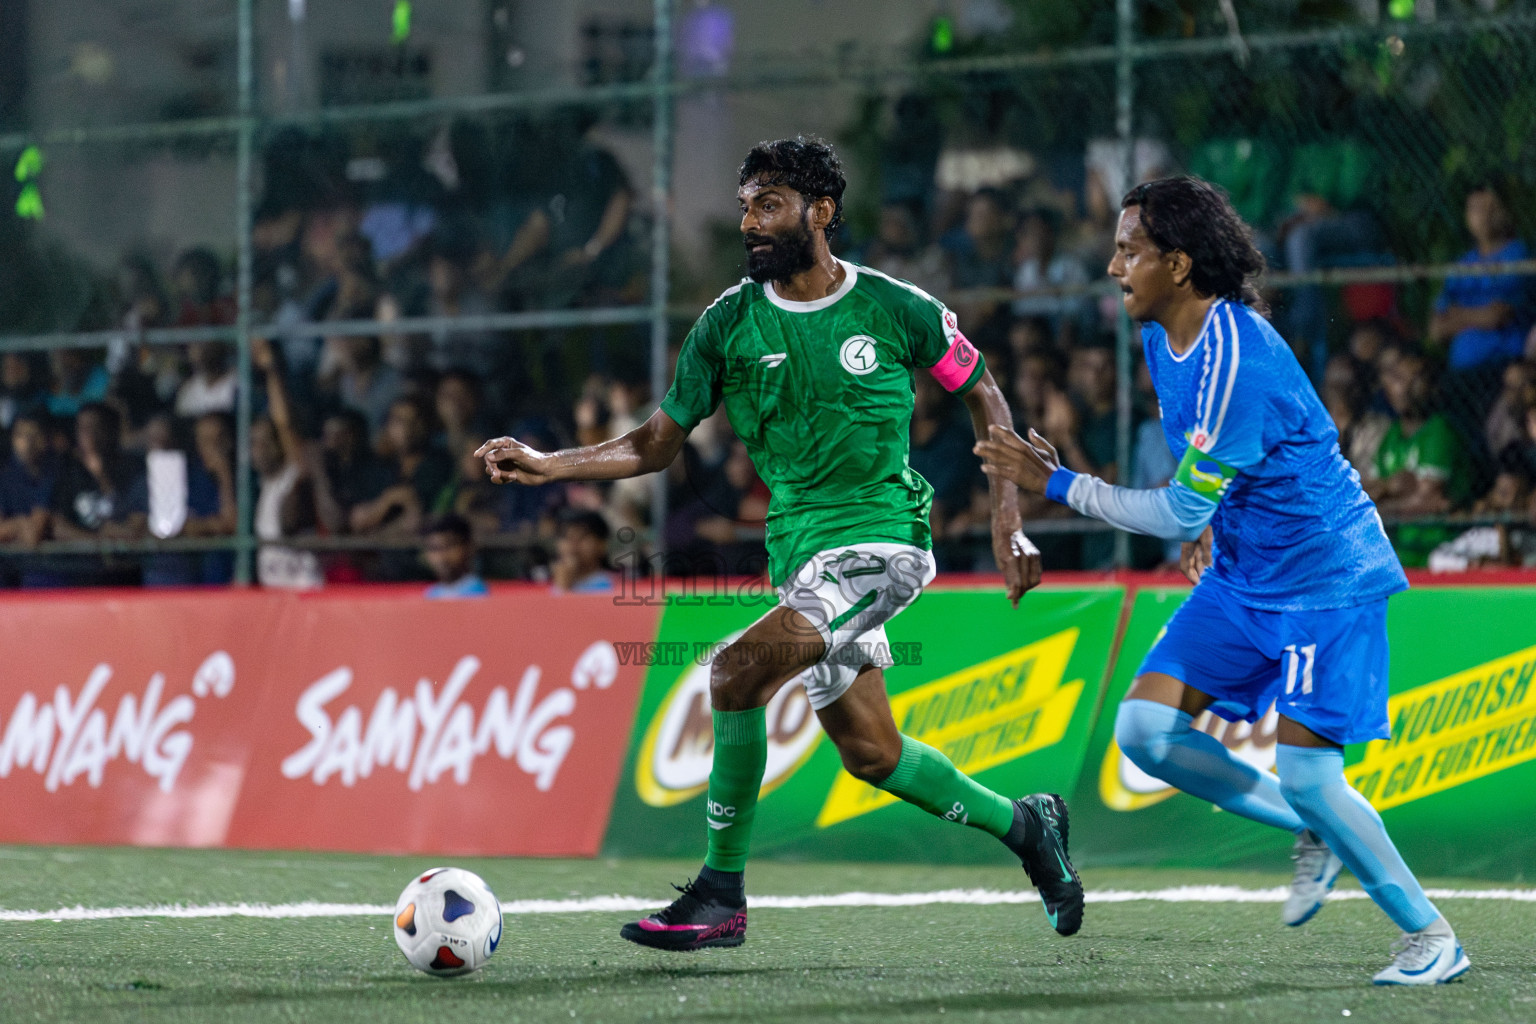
{"x":813,"y":358}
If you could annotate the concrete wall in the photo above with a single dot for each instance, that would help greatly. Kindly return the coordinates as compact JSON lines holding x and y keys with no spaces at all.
{"x":97,"y":62}
{"x":101,"y":62}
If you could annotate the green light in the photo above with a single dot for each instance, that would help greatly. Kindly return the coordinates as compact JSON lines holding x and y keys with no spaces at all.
{"x":29,"y":205}
{"x":401,"y":21}
{"x":29,"y":164}
{"x":943,"y":38}
{"x":1402,"y":10}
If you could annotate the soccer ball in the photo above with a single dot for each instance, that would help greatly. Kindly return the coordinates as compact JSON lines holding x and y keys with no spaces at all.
{"x":447,"y":922}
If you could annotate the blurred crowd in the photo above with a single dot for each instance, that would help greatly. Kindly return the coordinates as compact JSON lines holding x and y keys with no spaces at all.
{"x":365,"y":440}
{"x":1436,"y":412}
{"x":363,"y":436}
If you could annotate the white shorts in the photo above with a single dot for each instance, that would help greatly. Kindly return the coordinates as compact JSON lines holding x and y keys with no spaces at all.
{"x":849,"y":594}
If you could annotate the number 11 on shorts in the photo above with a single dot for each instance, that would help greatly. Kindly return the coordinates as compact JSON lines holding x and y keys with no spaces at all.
{"x":1304,"y":656}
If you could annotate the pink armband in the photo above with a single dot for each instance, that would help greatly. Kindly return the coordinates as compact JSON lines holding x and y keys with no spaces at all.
{"x":958,"y":366}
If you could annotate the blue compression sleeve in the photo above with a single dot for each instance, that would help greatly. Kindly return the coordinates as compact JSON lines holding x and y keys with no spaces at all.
{"x":1174,"y":512}
{"x":1312,"y":779}
{"x":1161,"y":742}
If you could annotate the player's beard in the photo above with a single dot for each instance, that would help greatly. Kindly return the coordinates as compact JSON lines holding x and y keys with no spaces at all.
{"x":791,"y":253}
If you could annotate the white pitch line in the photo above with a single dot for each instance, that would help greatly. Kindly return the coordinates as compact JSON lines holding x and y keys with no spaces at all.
{"x":615,"y":904}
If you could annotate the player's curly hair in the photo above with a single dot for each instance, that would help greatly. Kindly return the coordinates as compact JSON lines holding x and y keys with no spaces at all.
{"x":1192,"y":216}
{"x":804,"y":163}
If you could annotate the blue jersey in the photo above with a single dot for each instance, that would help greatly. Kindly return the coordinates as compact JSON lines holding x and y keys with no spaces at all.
{"x":1294,"y":531}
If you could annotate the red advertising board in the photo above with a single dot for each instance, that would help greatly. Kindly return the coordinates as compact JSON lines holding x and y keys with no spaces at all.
{"x":366,"y":720}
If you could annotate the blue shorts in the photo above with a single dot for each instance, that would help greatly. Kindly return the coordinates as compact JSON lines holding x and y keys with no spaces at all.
{"x":1324,"y":669}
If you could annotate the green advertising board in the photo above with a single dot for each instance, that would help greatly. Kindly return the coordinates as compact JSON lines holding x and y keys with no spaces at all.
{"x":1121,"y":815}
{"x":1456,"y":783}
{"x":1008,"y":694}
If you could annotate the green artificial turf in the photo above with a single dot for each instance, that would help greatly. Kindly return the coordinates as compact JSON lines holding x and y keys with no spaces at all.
{"x":1132,"y":963}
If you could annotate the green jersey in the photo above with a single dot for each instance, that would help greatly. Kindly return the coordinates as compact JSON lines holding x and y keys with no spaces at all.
{"x":821,"y":394}
{"x":1434,"y":452}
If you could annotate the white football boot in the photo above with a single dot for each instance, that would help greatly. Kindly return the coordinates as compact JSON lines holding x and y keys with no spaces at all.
{"x":1317,"y":868}
{"x":1428,"y":957}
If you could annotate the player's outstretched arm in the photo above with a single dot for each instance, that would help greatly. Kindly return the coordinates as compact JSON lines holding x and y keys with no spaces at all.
{"x":1008,"y":456}
{"x":1175,"y":512}
{"x":649,"y":448}
{"x":1017,"y":557}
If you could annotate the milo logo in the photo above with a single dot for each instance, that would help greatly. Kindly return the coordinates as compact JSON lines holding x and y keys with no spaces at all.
{"x":678,"y":749}
{"x":1206,"y":477}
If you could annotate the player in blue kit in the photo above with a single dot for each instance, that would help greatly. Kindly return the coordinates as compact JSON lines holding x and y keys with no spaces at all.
{"x":1293,"y":568}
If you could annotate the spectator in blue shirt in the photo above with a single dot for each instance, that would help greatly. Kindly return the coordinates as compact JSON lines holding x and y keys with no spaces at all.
{"x":26,"y":482}
{"x":205,"y":493}
{"x":448,"y":548}
{"x":1484,"y":317}
{"x":581,"y":564}
{"x":77,"y":381}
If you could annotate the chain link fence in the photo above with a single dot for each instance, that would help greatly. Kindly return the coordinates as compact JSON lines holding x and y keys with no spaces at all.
{"x":269,"y":275}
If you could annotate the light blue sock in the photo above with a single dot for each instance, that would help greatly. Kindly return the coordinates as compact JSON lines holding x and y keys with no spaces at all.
{"x":1160,"y":741}
{"x":1312,"y":779}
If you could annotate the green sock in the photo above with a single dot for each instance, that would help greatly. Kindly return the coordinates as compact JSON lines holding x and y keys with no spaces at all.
{"x":926,"y":778}
{"x":741,"y":754}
